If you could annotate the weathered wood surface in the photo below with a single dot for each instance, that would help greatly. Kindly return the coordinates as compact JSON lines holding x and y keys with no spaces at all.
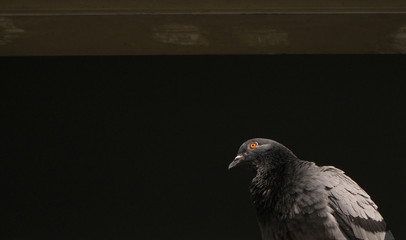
{"x":201,"y":27}
{"x":202,"y":5}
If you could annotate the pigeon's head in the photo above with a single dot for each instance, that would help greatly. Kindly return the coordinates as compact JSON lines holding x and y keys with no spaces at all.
{"x":261,"y":152}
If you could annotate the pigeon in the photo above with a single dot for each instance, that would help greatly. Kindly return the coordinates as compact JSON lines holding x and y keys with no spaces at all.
{"x":298,"y":200}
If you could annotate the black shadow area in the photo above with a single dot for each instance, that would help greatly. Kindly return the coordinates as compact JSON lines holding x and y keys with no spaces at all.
{"x":138,"y":147}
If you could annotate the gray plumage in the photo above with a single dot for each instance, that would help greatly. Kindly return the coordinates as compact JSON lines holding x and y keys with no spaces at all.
{"x":298,"y":200}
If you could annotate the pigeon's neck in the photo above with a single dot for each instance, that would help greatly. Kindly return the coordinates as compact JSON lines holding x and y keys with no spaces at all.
{"x":268,"y":185}
{"x":270,"y":175}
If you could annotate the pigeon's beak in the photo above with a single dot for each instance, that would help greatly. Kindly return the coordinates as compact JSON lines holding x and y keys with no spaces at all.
{"x":237,"y":160}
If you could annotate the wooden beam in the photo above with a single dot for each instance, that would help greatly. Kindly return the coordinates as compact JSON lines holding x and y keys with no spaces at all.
{"x":107,"y":31}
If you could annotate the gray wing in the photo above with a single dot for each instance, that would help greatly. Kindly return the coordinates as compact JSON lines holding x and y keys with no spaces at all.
{"x":353,"y":209}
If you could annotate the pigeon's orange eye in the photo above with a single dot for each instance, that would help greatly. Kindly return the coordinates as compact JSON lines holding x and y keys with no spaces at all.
{"x":253,"y":145}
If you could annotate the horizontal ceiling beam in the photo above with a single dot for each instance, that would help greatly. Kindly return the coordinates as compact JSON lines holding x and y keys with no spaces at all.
{"x":152,"y":32}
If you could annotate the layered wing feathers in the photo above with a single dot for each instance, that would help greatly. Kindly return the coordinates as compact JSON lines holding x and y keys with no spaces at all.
{"x":355,"y":212}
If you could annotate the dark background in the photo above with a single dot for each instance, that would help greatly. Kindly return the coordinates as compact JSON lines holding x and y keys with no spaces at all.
{"x":138,"y":147}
